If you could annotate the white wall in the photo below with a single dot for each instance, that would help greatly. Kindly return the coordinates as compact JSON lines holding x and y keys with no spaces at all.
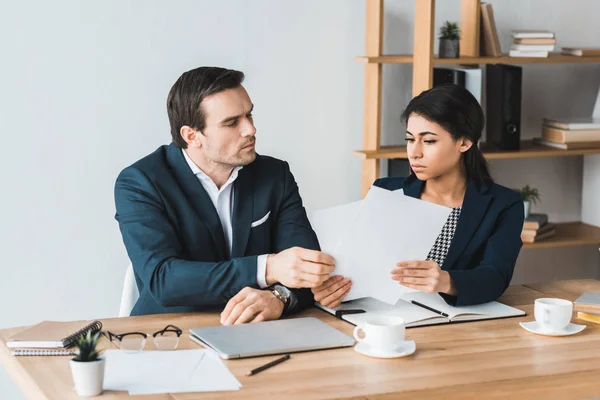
{"x":83,"y":91}
{"x":82,"y":95}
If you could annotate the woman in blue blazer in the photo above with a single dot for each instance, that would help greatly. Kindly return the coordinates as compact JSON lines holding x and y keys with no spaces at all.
{"x":473,"y":259}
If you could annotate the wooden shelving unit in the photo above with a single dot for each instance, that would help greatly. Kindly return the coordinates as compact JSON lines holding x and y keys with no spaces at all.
{"x":555,"y":58}
{"x":527,"y":150}
{"x":569,"y":234}
{"x":423,"y":61}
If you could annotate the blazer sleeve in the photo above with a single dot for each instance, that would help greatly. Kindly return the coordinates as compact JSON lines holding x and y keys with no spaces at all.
{"x":294,"y":230}
{"x":488,"y":280}
{"x":157,"y":256}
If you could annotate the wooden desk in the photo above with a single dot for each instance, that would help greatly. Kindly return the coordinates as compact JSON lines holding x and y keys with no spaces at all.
{"x":485,"y":359}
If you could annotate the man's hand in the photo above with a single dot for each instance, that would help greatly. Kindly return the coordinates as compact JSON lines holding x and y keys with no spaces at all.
{"x":426,"y":276}
{"x":299,"y":268}
{"x":332,"y":291}
{"x":251,"y":305}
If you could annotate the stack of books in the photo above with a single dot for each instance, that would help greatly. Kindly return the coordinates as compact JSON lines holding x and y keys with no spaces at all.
{"x":536,"y":228}
{"x":527,"y":43}
{"x":588,"y":307}
{"x":570,"y":133}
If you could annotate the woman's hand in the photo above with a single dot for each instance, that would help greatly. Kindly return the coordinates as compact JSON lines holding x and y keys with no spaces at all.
{"x":426,"y":276}
{"x":331,"y":292}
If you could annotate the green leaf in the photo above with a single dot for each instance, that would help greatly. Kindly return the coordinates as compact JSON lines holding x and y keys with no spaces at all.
{"x":450,"y":31}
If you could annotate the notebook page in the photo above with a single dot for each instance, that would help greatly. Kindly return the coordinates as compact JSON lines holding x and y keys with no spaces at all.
{"x":491,"y":309}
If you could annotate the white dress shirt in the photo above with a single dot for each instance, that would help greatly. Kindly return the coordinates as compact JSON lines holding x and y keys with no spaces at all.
{"x":223,"y":200}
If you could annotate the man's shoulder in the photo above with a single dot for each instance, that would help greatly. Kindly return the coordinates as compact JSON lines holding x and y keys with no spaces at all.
{"x":149,"y":165}
{"x":154,"y":160}
{"x":267,"y":166}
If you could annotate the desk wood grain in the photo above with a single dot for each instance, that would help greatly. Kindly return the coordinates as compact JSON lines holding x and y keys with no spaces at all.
{"x":485,"y":359}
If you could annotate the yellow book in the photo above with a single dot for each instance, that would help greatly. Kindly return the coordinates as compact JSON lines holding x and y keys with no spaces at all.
{"x":595,"y":318}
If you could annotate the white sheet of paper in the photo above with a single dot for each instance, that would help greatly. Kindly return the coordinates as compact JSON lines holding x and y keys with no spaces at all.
{"x":155,"y":372}
{"x":331,"y":224}
{"x":389,"y":227}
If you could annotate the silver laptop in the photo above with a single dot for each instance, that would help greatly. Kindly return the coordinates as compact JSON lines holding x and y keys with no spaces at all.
{"x":271,"y":337}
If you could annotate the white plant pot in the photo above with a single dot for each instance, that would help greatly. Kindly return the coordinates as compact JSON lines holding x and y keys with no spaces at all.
{"x":527,"y":205}
{"x":88,"y":377}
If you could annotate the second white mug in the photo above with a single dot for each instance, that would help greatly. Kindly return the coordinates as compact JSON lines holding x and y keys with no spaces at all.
{"x":553,"y":314}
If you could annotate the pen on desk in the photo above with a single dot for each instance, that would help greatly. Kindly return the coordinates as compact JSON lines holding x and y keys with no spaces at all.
{"x":268,"y":365}
{"x":443,"y":314}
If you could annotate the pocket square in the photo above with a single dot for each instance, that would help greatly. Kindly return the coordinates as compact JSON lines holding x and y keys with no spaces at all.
{"x":260,"y":221}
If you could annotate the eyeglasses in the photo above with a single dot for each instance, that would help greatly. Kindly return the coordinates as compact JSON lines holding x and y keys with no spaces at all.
{"x":132,"y":342}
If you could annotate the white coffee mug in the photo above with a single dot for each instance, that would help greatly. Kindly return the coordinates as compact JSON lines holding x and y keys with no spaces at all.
{"x":384,"y":333}
{"x":553,"y":314}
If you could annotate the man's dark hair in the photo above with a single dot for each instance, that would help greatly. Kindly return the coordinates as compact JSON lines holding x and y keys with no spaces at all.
{"x":186,"y":95}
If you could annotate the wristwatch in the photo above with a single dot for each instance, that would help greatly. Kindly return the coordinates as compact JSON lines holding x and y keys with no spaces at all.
{"x":283,"y":294}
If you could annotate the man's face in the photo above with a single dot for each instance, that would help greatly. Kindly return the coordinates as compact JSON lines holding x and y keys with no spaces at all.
{"x":228,"y":137}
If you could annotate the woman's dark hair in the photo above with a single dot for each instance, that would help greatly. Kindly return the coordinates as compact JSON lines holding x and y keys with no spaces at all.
{"x":456,"y":110}
{"x":186,"y":95}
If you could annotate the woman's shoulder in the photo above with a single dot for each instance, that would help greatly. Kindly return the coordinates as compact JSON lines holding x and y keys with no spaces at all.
{"x":504,"y":195}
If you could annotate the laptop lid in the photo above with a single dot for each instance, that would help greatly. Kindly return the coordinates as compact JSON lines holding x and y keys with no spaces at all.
{"x":271,"y":337}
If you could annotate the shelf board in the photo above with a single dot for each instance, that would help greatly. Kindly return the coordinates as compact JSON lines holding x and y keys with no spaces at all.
{"x":528,"y":150}
{"x":555,"y":58}
{"x":569,"y":234}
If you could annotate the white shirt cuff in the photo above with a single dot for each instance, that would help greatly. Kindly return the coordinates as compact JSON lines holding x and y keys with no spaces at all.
{"x":261,"y":271}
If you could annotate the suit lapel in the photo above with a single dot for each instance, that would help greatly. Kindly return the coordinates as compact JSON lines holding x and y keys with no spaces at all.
{"x":197,"y":197}
{"x":472,"y":212}
{"x":243,"y":204}
{"x":412,"y":187}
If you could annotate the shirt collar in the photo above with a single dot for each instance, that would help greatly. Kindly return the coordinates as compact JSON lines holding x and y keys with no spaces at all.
{"x":200,"y":174}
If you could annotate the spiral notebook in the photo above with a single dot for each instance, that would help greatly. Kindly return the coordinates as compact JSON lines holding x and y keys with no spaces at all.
{"x":42,"y":352}
{"x":51,"y":334}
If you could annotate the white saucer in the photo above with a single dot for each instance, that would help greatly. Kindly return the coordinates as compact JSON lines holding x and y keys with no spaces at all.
{"x":406,"y":349}
{"x":533,"y":327}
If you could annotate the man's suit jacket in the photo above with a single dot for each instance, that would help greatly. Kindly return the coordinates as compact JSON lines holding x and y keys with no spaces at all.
{"x":486,"y":243}
{"x":175,"y":240}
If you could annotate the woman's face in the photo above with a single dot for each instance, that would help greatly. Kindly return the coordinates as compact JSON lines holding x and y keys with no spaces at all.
{"x":432,"y":152}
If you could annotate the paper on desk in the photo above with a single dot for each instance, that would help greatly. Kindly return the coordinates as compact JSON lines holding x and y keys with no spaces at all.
{"x":389,"y":227}
{"x":154,"y":372}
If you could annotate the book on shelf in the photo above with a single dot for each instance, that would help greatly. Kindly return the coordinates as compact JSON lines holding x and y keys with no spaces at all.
{"x":573,"y":123}
{"x":539,"y":237}
{"x":532,"y":47}
{"x":581,"y":51}
{"x":559,"y":135}
{"x":419,"y":309}
{"x":536,"y":233}
{"x":568,"y":146}
{"x":535,"y":41}
{"x":535,"y":221}
{"x":490,"y":43}
{"x":589,"y":317}
{"x":588,"y":302}
{"x":535,"y":54}
{"x":532,"y":34}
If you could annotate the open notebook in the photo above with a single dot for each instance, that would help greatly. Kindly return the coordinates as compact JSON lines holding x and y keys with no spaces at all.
{"x":419,"y":309}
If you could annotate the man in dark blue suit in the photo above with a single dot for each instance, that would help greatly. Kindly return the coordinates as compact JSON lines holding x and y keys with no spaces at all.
{"x":208,"y":223}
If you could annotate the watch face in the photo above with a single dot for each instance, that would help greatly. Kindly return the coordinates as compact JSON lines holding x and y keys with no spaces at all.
{"x":283,"y":291}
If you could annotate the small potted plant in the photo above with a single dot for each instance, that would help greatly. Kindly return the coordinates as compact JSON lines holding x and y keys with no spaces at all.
{"x":529,"y":195}
{"x":449,"y":40}
{"x":87,"y":366}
